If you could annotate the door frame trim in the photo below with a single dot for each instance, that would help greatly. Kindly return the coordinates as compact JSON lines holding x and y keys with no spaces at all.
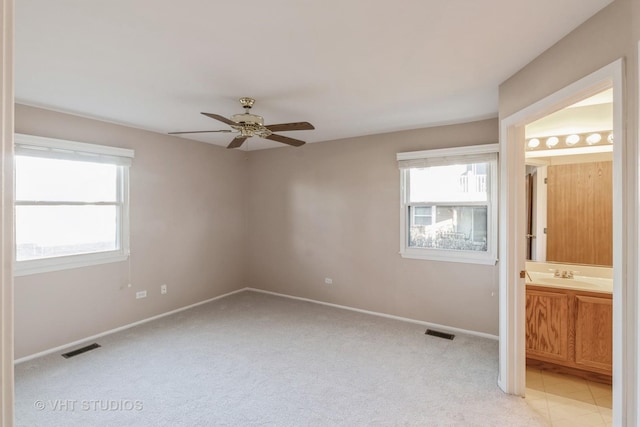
{"x":6,"y":212}
{"x":512,"y":242}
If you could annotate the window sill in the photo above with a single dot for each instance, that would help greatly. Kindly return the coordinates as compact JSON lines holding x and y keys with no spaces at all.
{"x":38,"y":266}
{"x":485,"y":259}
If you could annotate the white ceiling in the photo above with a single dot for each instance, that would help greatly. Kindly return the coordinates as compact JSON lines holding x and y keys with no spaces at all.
{"x":592,"y":114}
{"x":351,"y":68}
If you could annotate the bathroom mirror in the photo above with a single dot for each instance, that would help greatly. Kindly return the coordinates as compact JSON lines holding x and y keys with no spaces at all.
{"x":569,"y":187}
{"x":569,"y":205}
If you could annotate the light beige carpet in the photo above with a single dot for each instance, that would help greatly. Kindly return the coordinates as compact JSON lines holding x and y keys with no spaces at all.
{"x":256,"y":359}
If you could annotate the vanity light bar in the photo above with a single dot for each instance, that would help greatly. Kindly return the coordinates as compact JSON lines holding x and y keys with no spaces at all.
{"x":588,"y":139}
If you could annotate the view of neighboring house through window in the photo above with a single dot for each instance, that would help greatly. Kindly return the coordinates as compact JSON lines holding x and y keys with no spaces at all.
{"x":449,"y":204}
{"x":71,"y":204}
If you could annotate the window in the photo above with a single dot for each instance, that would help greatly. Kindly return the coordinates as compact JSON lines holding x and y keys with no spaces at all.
{"x":449,"y":209}
{"x":422,"y":215}
{"x":72,"y":204}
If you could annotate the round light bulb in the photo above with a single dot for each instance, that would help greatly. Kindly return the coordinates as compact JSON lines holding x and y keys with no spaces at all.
{"x":552,"y":142}
{"x":594,"y":138}
{"x":533,"y":143}
{"x":572,"y":139}
{"x":610,"y":138}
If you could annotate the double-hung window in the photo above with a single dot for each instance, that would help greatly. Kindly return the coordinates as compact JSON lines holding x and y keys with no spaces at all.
{"x":71,"y":204}
{"x":449,"y":204}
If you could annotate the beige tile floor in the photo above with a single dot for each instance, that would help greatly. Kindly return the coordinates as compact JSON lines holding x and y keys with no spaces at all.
{"x":566,"y":400}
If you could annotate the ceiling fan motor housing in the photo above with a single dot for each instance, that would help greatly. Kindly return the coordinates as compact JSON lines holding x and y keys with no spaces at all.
{"x":247,"y":102}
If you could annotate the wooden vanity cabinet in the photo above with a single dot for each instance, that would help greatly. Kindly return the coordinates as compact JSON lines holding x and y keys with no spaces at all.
{"x":570,"y":331}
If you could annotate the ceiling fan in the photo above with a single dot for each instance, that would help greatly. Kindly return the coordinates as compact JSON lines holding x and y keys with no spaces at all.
{"x":248,"y":125}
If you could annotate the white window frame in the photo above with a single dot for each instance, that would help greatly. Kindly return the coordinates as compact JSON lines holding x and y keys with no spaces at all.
{"x":446,"y":156}
{"x":38,"y":146}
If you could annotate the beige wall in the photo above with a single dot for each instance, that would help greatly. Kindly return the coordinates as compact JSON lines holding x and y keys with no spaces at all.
{"x":187,"y":230}
{"x":601,"y":40}
{"x":332,"y":210}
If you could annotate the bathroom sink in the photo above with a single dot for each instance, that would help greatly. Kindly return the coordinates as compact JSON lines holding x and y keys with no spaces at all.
{"x":578,"y":282}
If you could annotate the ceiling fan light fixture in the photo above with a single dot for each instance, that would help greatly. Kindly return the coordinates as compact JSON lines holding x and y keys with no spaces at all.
{"x":248,"y":118}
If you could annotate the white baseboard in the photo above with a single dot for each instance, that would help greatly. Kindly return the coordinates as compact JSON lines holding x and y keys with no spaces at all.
{"x":388,"y":316}
{"x":122,"y":328}
{"x":169,"y":313}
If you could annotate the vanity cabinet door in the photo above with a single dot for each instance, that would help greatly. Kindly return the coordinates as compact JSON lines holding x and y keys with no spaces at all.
{"x":548,"y":325}
{"x":594,"y":323}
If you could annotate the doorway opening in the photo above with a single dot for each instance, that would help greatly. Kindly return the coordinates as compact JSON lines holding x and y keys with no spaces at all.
{"x":514,"y":229}
{"x":569,"y":262}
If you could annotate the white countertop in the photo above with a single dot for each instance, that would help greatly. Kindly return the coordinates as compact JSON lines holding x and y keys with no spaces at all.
{"x":583,"y":283}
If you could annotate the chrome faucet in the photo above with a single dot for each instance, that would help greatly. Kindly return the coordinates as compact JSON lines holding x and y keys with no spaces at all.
{"x":564,"y":274}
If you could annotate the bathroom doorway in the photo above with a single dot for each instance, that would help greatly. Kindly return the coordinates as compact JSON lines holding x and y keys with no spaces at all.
{"x":513,"y":231}
{"x":569,"y":262}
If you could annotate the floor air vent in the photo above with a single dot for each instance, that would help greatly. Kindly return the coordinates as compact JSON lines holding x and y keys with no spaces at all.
{"x":440,"y":334}
{"x":80,"y":350}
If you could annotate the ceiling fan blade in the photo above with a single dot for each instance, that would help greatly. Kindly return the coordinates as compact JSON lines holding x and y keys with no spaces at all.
{"x":220,"y":118}
{"x":199,"y":131}
{"x":237,"y":142}
{"x":285,"y":140}
{"x":282,"y":127}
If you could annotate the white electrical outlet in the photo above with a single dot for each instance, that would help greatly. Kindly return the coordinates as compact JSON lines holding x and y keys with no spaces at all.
{"x":141,"y":294}
{"x":163,"y":289}
{"x":328,"y":281}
